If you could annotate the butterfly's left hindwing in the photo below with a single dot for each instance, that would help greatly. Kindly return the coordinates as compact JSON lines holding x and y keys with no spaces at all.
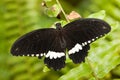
{"x":56,"y":57}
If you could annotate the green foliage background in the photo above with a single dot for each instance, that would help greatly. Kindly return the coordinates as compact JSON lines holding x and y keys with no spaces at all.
{"x":18,"y":17}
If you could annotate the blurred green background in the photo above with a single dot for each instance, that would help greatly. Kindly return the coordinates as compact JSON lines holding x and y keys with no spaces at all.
{"x":18,"y":17}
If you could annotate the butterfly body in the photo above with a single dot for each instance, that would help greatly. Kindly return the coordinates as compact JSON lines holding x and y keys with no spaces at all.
{"x":52,"y":43}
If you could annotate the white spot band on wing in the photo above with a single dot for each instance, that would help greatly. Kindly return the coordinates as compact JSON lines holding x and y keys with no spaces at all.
{"x":52,"y":54}
{"x":76,"y":48}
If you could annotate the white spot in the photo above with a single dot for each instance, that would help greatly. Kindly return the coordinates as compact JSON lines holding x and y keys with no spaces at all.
{"x":85,"y":43}
{"x":16,"y":49}
{"x":28,"y":55}
{"x":23,"y":55}
{"x":93,"y":39}
{"x":89,"y":41}
{"x":104,"y":27}
{"x":96,"y":37}
{"x":52,"y":54}
{"x":41,"y":54}
{"x":76,"y":48}
{"x":44,"y":54}
{"x":32,"y":55}
{"x":37,"y":55}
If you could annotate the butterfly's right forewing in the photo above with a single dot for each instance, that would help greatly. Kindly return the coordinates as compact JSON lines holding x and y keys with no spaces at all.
{"x":83,"y":30}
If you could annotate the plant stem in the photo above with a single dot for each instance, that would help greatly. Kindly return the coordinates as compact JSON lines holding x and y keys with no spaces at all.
{"x":93,"y":73}
{"x":62,"y":11}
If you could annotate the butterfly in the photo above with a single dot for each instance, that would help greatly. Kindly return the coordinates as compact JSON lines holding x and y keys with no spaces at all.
{"x":50,"y":43}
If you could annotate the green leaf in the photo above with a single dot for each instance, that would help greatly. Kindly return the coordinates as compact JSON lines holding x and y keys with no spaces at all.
{"x":77,"y":72}
{"x":104,"y":59}
{"x":46,"y":69}
{"x":53,"y":11}
{"x":92,"y":78}
{"x":47,"y":0}
{"x":99,"y":15}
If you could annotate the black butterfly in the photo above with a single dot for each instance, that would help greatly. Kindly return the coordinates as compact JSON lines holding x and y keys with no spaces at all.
{"x":75,"y":37}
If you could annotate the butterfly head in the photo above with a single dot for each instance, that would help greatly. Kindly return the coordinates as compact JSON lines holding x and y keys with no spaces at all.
{"x":58,"y":26}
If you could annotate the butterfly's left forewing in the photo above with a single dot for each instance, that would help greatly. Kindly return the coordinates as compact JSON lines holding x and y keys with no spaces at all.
{"x":35,"y":43}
